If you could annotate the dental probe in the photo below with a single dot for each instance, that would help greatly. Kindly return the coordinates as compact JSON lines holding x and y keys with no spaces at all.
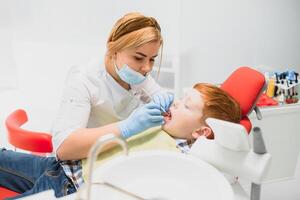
{"x":146,"y":97}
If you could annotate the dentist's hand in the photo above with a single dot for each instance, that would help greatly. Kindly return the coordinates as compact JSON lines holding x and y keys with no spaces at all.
{"x":147,"y":116}
{"x":165,"y":99}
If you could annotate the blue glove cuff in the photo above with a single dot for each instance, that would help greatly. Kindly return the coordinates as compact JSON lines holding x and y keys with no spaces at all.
{"x":125,"y":133}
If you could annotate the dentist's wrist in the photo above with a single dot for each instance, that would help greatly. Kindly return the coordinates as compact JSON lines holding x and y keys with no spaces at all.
{"x":125,"y":131}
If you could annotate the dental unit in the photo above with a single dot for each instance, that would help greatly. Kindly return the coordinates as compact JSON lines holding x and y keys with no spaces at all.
{"x":230,"y":153}
{"x":150,"y":174}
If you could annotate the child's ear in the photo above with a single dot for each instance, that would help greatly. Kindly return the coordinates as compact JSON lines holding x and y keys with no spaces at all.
{"x":203,"y":131}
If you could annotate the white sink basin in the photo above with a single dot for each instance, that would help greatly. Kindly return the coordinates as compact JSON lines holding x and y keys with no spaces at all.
{"x":160,"y":175}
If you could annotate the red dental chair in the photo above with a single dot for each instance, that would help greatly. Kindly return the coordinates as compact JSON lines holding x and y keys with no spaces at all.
{"x":245,"y":85}
{"x":38,"y":143}
{"x":231,"y":149}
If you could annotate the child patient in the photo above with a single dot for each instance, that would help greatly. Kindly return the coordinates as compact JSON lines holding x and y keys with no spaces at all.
{"x":187,"y":116}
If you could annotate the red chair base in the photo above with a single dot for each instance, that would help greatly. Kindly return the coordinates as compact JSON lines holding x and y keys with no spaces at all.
{"x":6,"y":193}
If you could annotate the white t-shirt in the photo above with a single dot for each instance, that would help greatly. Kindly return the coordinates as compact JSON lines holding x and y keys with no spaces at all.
{"x":92,"y":98}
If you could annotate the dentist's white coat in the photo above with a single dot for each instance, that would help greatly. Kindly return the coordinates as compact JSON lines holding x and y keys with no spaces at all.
{"x":92,"y":98}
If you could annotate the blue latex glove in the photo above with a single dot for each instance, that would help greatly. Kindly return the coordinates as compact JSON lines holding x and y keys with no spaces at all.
{"x":147,"y":116}
{"x":164,"y":99}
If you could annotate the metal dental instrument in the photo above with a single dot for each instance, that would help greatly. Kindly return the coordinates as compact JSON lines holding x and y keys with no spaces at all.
{"x":91,"y":159}
{"x":146,"y":98}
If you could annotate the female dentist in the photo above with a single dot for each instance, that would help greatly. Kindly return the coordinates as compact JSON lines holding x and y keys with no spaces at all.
{"x":98,"y":99}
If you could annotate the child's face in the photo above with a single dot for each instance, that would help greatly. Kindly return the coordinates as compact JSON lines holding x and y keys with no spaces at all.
{"x":185,"y":116}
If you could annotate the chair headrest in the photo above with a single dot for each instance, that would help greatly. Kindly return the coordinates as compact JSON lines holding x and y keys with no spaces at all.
{"x":245,"y":85}
{"x":245,"y":121}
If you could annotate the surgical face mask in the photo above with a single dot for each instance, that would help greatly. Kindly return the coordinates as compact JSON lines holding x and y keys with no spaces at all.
{"x":128,"y":75}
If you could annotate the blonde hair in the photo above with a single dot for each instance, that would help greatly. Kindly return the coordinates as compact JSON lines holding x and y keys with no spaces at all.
{"x":218,"y":103}
{"x":132,"y":31}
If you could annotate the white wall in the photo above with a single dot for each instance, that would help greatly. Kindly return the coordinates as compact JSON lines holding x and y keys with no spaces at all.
{"x":7,"y":62}
{"x":218,"y":36}
{"x":42,"y":39}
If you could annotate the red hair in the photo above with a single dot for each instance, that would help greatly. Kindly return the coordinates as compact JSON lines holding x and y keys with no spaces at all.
{"x":218,"y":104}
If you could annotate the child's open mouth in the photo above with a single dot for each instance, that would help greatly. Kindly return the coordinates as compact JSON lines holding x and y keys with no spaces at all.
{"x":167,"y":116}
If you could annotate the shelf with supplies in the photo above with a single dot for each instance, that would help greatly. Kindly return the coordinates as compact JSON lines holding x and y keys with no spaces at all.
{"x":168,"y":76}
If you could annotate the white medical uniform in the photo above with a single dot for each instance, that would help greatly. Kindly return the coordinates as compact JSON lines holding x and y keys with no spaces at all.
{"x":92,"y":98}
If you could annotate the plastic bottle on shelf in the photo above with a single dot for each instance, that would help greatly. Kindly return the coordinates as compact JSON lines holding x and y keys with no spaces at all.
{"x":271,"y":88}
{"x":281,"y":98}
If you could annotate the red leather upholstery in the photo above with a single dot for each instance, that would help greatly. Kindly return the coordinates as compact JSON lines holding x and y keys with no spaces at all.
{"x":25,"y":139}
{"x":5,"y":193}
{"x":245,"y":121}
{"x":245,"y":85}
